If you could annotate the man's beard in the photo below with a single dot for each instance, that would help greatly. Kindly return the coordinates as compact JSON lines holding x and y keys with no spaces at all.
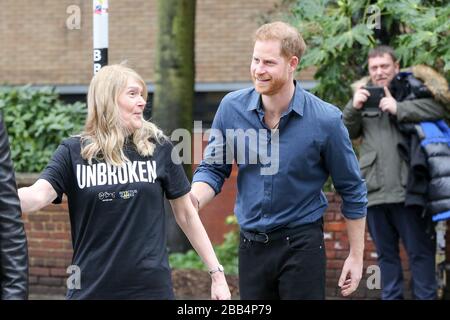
{"x":271,"y":87}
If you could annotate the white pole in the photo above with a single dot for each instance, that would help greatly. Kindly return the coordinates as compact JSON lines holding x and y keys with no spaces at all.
{"x":100,"y":27}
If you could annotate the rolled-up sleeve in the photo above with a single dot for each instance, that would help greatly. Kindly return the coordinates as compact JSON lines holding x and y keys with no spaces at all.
{"x":217,"y":163}
{"x":343,"y":166}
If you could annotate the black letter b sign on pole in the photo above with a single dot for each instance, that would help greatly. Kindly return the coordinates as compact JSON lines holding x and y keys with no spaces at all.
{"x":100,"y":27}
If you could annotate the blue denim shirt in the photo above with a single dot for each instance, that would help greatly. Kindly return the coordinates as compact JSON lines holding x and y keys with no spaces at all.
{"x":280,"y":178}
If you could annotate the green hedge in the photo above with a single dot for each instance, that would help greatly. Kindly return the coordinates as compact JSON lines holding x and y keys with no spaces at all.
{"x":37,"y":121}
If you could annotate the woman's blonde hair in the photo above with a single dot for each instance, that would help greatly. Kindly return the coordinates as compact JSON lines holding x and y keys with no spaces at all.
{"x":104,"y":134}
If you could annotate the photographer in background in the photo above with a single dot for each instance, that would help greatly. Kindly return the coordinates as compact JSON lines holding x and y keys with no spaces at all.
{"x":386,"y":175}
{"x":13,"y":243}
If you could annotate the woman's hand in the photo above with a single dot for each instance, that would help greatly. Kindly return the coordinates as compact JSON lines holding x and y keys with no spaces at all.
{"x":219,"y":287}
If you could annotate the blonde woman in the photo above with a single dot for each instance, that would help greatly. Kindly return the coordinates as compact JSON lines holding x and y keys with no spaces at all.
{"x":115,"y":175}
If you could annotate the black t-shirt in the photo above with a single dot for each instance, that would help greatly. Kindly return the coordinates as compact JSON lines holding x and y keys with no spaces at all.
{"x":117,"y":220}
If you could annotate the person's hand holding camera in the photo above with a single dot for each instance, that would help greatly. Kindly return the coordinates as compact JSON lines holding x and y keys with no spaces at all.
{"x":388,"y":103}
{"x":361,"y":95}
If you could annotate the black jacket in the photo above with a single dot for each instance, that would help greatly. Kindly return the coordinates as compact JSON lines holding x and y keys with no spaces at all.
{"x":13,"y":243}
{"x":412,"y":152}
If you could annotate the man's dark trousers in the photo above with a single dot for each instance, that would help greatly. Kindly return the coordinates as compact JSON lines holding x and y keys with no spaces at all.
{"x":286,"y":264}
{"x":389,"y":222}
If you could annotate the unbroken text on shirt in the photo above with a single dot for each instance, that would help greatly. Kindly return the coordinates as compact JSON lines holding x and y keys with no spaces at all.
{"x":100,"y":174}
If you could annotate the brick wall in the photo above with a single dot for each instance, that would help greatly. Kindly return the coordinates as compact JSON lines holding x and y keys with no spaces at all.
{"x":50,"y":250}
{"x":37,"y":47}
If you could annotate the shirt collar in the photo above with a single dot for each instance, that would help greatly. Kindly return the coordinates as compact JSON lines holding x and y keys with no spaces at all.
{"x":296,"y":104}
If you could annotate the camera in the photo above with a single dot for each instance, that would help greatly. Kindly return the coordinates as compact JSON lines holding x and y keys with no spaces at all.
{"x":373,"y":101}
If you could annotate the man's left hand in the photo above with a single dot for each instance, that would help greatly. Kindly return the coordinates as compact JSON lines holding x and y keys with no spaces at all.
{"x":388,"y":103}
{"x":351,"y":275}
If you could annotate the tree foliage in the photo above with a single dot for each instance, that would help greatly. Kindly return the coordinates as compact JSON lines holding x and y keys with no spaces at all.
{"x":37,"y":121}
{"x":340,"y":33}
